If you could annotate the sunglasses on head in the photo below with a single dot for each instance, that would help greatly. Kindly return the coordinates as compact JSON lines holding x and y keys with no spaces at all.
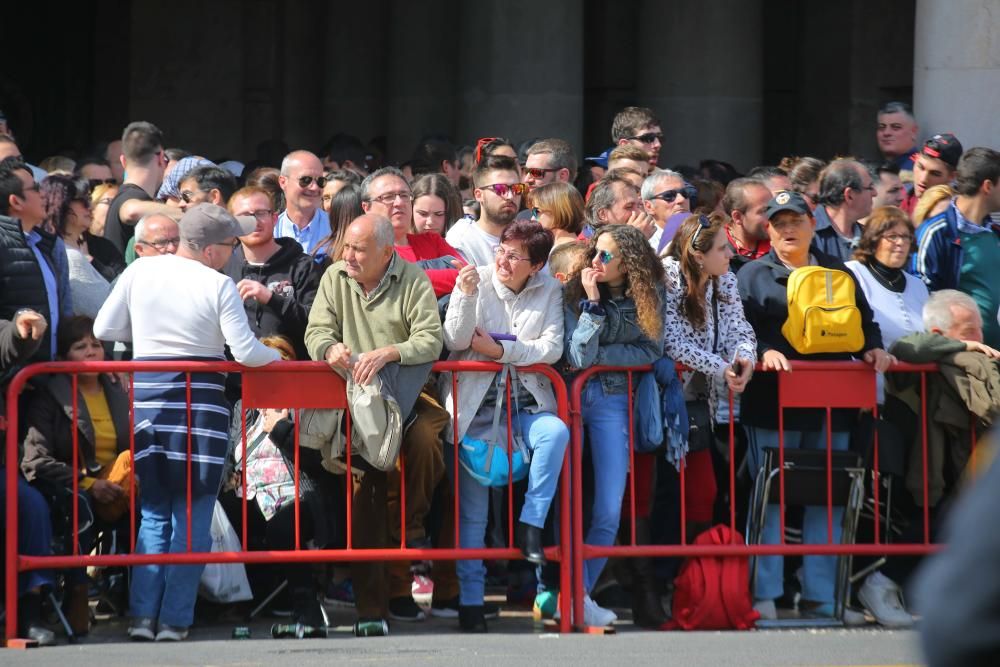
{"x":703,"y":223}
{"x":670,"y":196}
{"x":94,"y":182}
{"x":648,"y":137}
{"x":483,"y":143}
{"x":306,"y":181}
{"x":604,"y":256}
{"x":501,"y":189}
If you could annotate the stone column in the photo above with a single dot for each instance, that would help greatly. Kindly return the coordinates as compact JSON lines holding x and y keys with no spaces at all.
{"x":521,"y":72}
{"x":700,"y":70}
{"x":956,"y":70}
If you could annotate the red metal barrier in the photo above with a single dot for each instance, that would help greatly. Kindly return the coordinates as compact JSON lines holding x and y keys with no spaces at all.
{"x":825,"y":385}
{"x":294,"y":385}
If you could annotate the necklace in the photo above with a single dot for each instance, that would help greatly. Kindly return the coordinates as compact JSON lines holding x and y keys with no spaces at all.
{"x":891,"y":279}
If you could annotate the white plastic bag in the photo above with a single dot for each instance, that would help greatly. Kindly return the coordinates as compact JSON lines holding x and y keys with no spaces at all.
{"x":224,"y":582}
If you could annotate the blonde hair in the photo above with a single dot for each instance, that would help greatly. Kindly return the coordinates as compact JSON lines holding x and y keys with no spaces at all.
{"x":929,"y":200}
{"x":282,"y":345}
{"x":100,"y":191}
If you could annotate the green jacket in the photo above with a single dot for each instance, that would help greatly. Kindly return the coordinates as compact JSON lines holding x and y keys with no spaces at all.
{"x":401,"y":312}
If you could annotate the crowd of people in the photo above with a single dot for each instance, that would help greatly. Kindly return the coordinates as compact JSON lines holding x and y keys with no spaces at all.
{"x":503,"y":252}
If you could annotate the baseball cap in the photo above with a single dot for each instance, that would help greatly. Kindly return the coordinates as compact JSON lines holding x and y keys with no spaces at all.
{"x":206,"y":224}
{"x":944,"y":147}
{"x":600,"y":160}
{"x":786,"y":200}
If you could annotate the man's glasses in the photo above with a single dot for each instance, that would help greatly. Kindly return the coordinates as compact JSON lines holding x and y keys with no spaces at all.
{"x":501,"y":189}
{"x":502,"y":253}
{"x":648,"y":137}
{"x":703,"y":223}
{"x":604,"y":256}
{"x":306,"y":181}
{"x":235,"y":243}
{"x":94,"y":182}
{"x":390,"y":197}
{"x":188,"y":197}
{"x":262,"y":214}
{"x":537,"y":172}
{"x":162,"y":244}
{"x":670,"y":196}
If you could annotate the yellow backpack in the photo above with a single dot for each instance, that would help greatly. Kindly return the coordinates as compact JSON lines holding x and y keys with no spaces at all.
{"x":822,"y":313}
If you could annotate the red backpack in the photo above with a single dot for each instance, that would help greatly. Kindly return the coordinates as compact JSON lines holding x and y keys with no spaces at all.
{"x":713,"y":592}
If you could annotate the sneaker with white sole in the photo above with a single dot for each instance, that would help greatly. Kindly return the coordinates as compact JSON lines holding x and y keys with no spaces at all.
{"x":881,"y":596}
{"x":171,"y":633}
{"x":596,"y":616}
{"x":766,"y":609}
{"x":142,"y":629}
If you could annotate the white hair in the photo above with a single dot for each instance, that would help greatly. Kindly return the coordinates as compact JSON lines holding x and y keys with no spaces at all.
{"x":937,"y":311}
{"x":649,"y":186}
{"x":140,"y":227}
{"x":382,"y":231}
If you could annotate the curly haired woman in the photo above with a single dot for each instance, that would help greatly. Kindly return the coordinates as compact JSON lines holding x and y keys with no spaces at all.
{"x":614,"y":317}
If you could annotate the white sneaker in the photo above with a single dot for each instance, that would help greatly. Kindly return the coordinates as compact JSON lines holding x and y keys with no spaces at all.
{"x":596,"y":616}
{"x":171,"y":633}
{"x":766,"y":609}
{"x":882,"y":597}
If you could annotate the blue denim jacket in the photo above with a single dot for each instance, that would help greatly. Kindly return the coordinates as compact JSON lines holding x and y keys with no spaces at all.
{"x":608,"y":334}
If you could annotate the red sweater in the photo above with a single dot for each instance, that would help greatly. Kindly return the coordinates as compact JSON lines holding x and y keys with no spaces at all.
{"x":430,"y":245}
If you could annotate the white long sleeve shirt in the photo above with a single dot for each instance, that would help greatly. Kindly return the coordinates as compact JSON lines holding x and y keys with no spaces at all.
{"x":169,"y":306}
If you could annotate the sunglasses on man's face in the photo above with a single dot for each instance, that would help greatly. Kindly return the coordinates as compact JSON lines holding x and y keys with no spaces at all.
{"x":538,"y":172}
{"x":670,"y":196}
{"x":648,"y":137}
{"x":306,"y":181}
{"x":501,"y":189}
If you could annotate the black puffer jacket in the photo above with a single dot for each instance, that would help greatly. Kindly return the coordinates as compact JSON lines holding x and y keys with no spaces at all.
{"x":21,"y":281}
{"x":293,"y":276}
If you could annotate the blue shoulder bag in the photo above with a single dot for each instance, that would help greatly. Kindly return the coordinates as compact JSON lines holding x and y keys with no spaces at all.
{"x":487,"y":460}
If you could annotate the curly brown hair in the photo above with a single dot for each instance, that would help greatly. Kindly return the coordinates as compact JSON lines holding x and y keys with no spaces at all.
{"x":643,"y":275}
{"x":881,"y":221}
{"x":695,"y":279}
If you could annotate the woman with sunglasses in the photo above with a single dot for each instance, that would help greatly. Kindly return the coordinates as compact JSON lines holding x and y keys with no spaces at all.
{"x":514,"y":297}
{"x":614,"y":317}
{"x":558,"y":207}
{"x":711,"y":336}
{"x":763,"y":286}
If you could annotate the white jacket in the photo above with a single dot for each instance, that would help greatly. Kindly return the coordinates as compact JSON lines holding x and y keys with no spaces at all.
{"x":535,"y":316}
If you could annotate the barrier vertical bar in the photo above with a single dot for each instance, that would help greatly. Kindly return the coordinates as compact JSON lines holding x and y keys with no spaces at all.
{"x":781,"y":465}
{"x":829,"y":475}
{"x":187,"y":384}
{"x":75,"y":433}
{"x":243,"y":467}
{"x":876,"y":479}
{"x":732,"y":464}
{"x":510,"y":468}
{"x":923,"y":453}
{"x":576,"y":441}
{"x":631,"y":458}
{"x":10,"y":567}
{"x":349,"y":482}
{"x":402,"y":497}
{"x":131,"y":472}
{"x":298,"y":515}
{"x":455,"y":445}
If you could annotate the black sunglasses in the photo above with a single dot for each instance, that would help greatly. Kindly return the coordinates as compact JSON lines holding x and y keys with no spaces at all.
{"x":94,"y":182}
{"x":306,"y":181}
{"x":669,"y":196}
{"x":648,"y":137}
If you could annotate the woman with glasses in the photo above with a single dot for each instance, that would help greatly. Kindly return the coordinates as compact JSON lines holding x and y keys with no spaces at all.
{"x":558,"y":207}
{"x":100,"y":199}
{"x":514,"y":298}
{"x":67,"y":212}
{"x":436,"y":204}
{"x":763,"y":286}
{"x":614,"y":317}
{"x":710,"y":335}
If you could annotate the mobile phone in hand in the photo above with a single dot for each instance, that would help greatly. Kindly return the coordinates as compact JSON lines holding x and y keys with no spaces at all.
{"x":503,"y":336}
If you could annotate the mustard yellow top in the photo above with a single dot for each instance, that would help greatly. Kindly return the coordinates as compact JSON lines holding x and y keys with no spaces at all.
{"x":106,"y":440}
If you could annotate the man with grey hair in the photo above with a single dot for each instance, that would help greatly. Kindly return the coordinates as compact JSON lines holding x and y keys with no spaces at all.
{"x":549,"y":160}
{"x":846,"y":193}
{"x":665,"y":194}
{"x":745,"y":202}
{"x":156,"y":234}
{"x":375,"y":314}
{"x":302,"y":181}
{"x":615,"y":201}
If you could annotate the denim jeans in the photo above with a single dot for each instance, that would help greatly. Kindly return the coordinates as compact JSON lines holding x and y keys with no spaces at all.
{"x":605,"y":419}
{"x":168,"y":592}
{"x":34,"y":530}
{"x":546,"y":436}
{"x":819,"y":572}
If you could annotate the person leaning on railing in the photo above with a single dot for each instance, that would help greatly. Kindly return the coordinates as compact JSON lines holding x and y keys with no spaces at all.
{"x":709,"y":334}
{"x":513,"y":296}
{"x":613,"y":305}
{"x":103,"y":457}
{"x":763,"y":290}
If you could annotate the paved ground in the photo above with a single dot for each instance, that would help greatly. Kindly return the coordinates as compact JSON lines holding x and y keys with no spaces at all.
{"x":513,"y":639}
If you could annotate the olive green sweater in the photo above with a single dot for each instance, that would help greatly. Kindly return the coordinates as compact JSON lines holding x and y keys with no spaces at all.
{"x":401,"y":312}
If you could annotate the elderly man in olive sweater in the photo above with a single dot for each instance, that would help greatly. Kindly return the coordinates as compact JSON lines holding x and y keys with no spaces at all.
{"x":375,"y":313}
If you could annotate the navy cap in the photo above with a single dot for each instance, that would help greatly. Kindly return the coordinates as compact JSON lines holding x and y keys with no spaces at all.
{"x":600,"y":160}
{"x":786,"y":200}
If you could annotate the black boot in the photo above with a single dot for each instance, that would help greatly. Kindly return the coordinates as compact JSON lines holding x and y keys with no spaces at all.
{"x":29,"y":609}
{"x":529,"y":541}
{"x":647,"y":607}
{"x":472,"y":618}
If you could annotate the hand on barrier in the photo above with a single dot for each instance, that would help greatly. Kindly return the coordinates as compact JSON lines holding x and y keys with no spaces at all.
{"x":370,"y":363}
{"x":880,"y":359}
{"x":976,"y":346}
{"x":468,"y":280}
{"x":739,"y":374}
{"x":338,"y":355}
{"x":30,"y":325}
{"x":484,"y":344}
{"x":251,"y":289}
{"x":775,"y":361}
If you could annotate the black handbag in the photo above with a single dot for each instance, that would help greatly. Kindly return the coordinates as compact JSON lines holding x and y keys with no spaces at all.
{"x":700,"y":427}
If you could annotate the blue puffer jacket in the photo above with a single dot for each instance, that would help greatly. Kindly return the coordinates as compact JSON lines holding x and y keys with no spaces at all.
{"x":608,"y":334}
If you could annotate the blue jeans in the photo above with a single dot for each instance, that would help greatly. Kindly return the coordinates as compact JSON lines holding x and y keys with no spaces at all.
{"x":546,"y":436}
{"x":605,"y":418}
{"x":34,"y":530}
{"x":168,"y":592}
{"x":819,"y":572}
